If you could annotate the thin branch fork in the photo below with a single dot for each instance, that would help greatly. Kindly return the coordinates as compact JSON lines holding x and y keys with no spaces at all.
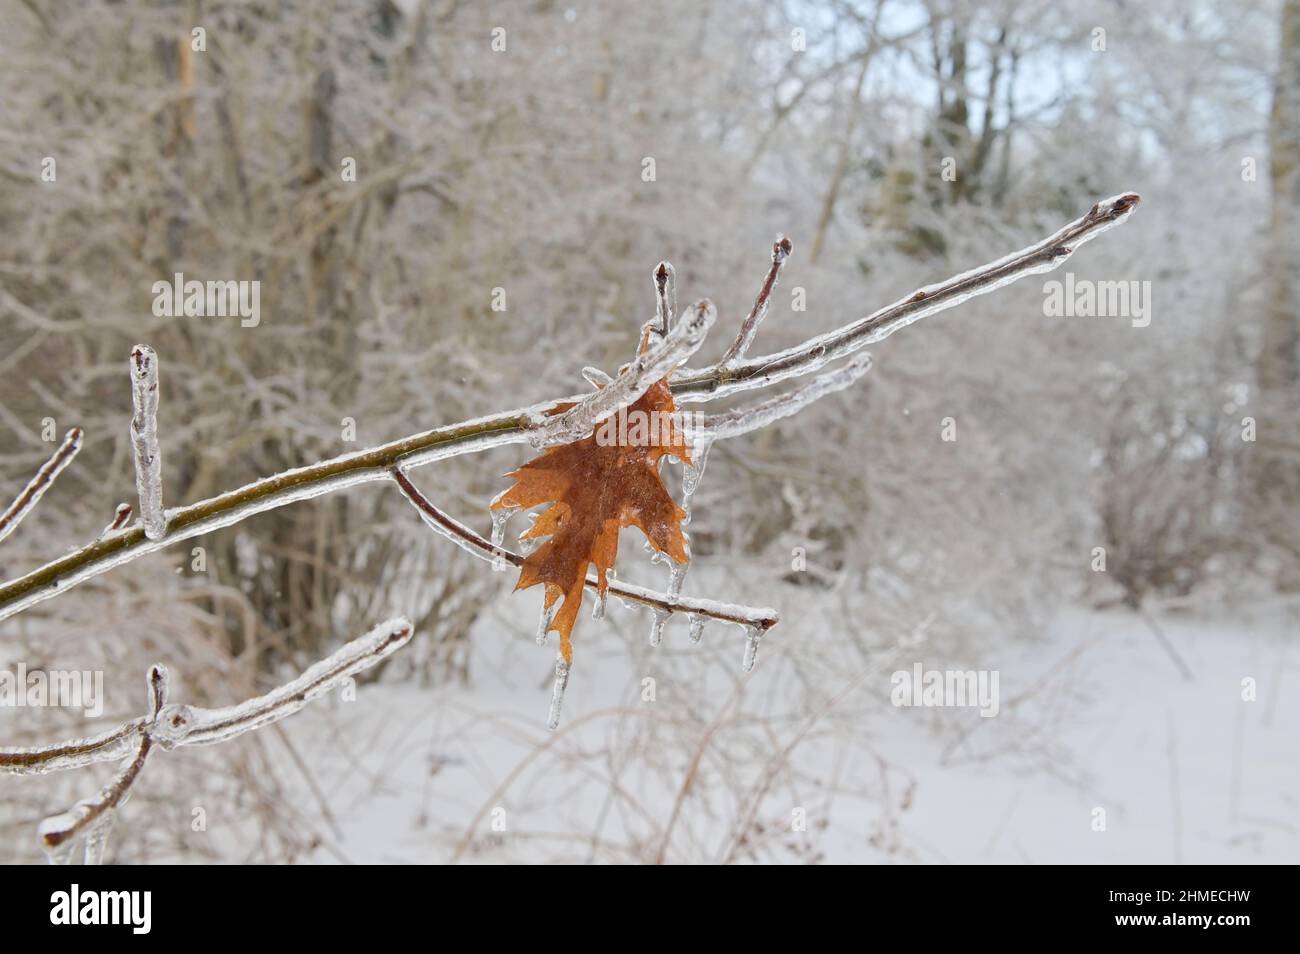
{"x":517,"y":426}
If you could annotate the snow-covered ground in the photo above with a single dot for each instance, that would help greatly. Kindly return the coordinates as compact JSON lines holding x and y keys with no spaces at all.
{"x":1095,"y":716}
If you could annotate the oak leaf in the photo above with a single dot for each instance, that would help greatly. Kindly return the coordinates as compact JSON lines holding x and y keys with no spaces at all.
{"x":597,"y":486}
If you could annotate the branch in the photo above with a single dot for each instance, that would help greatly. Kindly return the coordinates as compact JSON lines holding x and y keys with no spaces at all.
{"x":745,"y":419}
{"x":40,"y":483}
{"x":780,"y":252}
{"x":814,"y":353}
{"x":144,"y":440}
{"x":760,"y":618}
{"x":514,"y":426}
{"x":169,"y":725}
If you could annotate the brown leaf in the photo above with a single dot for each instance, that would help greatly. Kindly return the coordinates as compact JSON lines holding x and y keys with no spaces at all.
{"x":597,"y":486}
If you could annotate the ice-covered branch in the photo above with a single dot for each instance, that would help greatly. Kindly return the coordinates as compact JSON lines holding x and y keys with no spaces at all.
{"x":144,"y":440}
{"x":749,"y":328}
{"x":40,"y":483}
{"x":665,"y":282}
{"x":170,"y":725}
{"x":190,"y":725}
{"x":1051,"y":252}
{"x":516,"y":426}
{"x":760,"y":617}
{"x":652,"y":365}
{"x":94,"y":815}
{"x":745,"y":419}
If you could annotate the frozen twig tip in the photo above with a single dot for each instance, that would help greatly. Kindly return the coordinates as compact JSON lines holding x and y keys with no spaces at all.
{"x":144,"y":440}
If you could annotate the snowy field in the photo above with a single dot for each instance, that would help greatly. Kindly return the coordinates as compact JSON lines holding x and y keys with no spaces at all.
{"x":1096,"y":716}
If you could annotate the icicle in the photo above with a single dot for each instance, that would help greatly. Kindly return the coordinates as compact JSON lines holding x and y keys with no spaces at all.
{"x":657,"y":626}
{"x":752,"y":636}
{"x":696,"y":632}
{"x":144,"y":438}
{"x":544,"y":621}
{"x":499,"y":518}
{"x":557,"y":693}
{"x":97,"y":840}
{"x":676,"y":574}
{"x":60,"y":854}
{"x":692,"y":473}
{"x":598,"y":607}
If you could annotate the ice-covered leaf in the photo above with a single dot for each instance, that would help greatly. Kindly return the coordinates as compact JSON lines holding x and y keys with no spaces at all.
{"x":595,"y":487}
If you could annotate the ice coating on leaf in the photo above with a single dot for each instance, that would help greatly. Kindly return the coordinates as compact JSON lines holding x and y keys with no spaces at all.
{"x":545,"y":619}
{"x":557,"y":692}
{"x":144,"y":440}
{"x":594,"y":487}
{"x":195,"y":726}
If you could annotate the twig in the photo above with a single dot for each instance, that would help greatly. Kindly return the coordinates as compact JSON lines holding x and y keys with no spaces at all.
{"x":144,"y":440}
{"x":40,"y":483}
{"x":120,"y":516}
{"x":171,"y":725}
{"x":665,"y":282}
{"x":512,"y":426}
{"x":759,"y":617}
{"x":749,"y":328}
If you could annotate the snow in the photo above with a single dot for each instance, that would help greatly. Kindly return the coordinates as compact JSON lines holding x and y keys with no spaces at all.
{"x":1186,"y":771}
